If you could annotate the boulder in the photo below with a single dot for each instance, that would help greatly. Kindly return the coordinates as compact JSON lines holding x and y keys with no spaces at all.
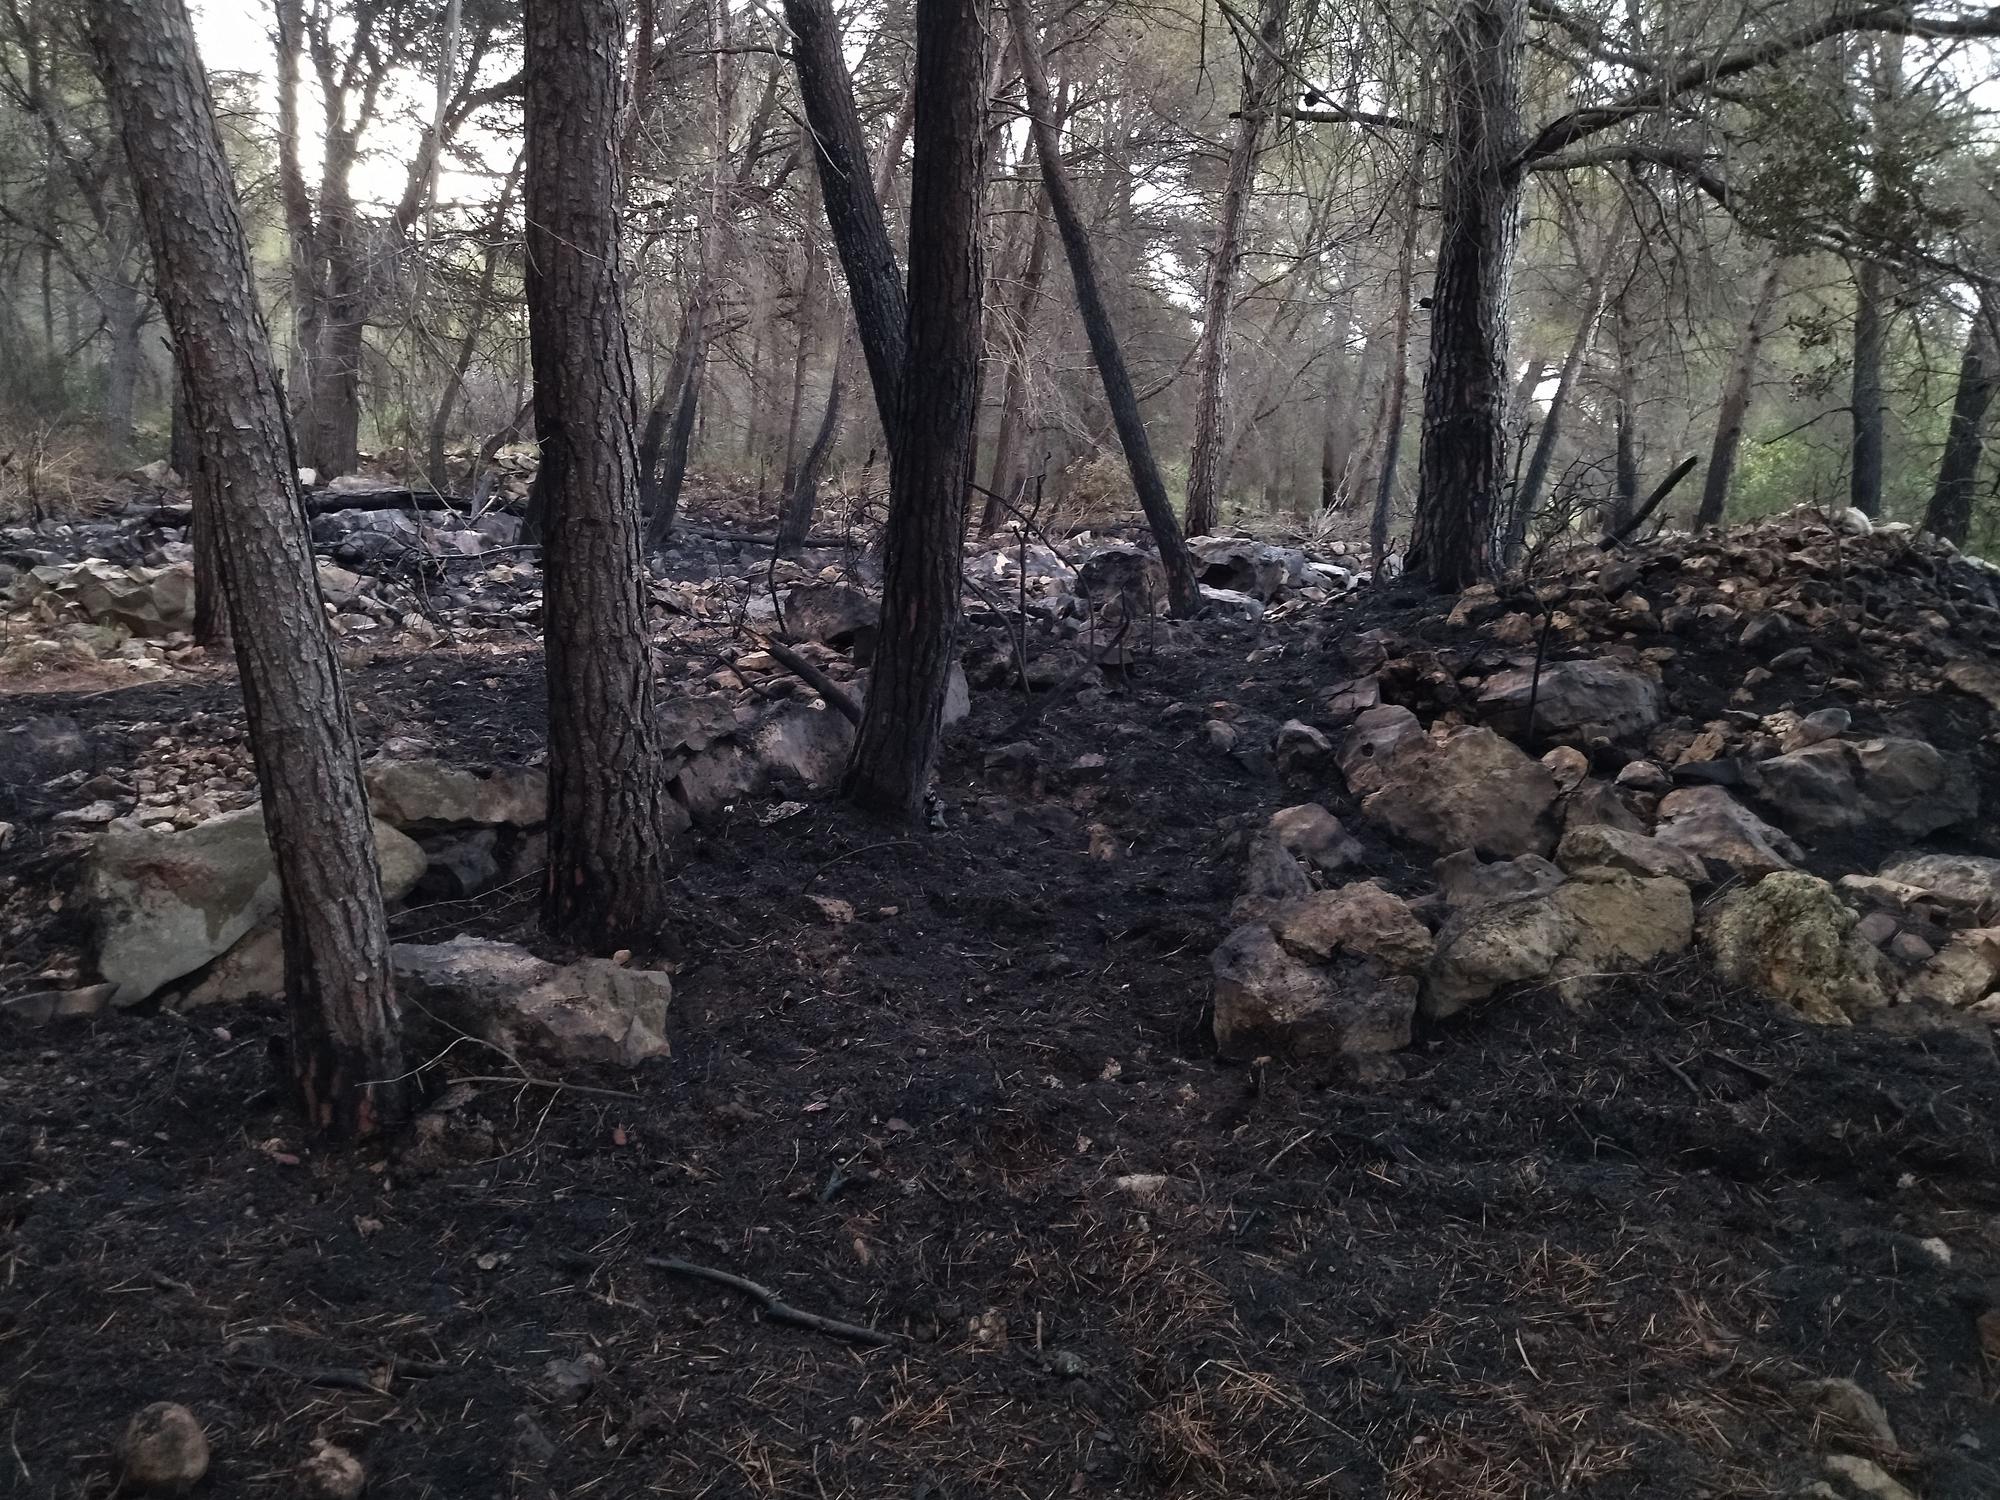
{"x":37,"y":747}
{"x":1232,"y":604}
{"x":1465,"y":881}
{"x":1379,"y":733}
{"x":1272,"y":877}
{"x":1708,"y":823}
{"x":1595,"y":924}
{"x":1968,"y":881}
{"x":431,"y":794}
{"x":1329,"y":974}
{"x":167,"y":903}
{"x":1792,"y":939}
{"x":1469,"y":789}
{"x":1248,"y":567}
{"x":1301,"y":749}
{"x":1312,"y":834}
{"x":834,"y":614}
{"x":1600,"y":847}
{"x":592,"y":1011}
{"x":806,"y":744}
{"x":1837,"y":787}
{"x":1603,"y":693}
{"x":1963,"y":972}
{"x":145,"y":601}
{"x":1596,"y":804}
{"x":1123,"y":569}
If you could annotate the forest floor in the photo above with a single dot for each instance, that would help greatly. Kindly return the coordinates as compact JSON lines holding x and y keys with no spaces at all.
{"x":1584,"y":1251}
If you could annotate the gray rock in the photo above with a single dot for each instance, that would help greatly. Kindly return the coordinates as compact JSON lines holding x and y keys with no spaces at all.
{"x":39,"y":747}
{"x":1601,"y":847}
{"x":1792,"y":939}
{"x":1248,"y":567}
{"x":1622,"y":700}
{"x":1838,"y":787}
{"x":1465,"y":882}
{"x":1378,"y":735}
{"x":1708,"y":823}
{"x":1232,"y":604}
{"x":168,"y":903}
{"x":1969,"y":881}
{"x":835,"y":615}
{"x":1301,"y":749}
{"x":429,"y":794}
{"x":1311,"y":833}
{"x":1470,"y":789}
{"x":1272,"y":877}
{"x":592,"y":1011}
{"x":145,"y":601}
{"x":463,"y":863}
{"x":1126,"y":570}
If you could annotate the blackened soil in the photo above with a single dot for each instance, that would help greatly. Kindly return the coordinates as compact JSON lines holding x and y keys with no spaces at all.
{"x":1546,"y":1252}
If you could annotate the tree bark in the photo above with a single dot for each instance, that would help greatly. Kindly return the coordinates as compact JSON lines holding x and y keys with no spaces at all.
{"x":1950,"y":512}
{"x":475,"y":326}
{"x":1337,"y":428}
{"x":853,"y":211}
{"x":346,"y":1056}
{"x":663,"y":451}
{"x":611,"y":819}
{"x":1463,"y":470}
{"x":1736,"y":402}
{"x":1397,"y":392}
{"x":1183,"y":590}
{"x":1865,"y":481}
{"x":1528,"y":496}
{"x":937,"y":424}
{"x":1625,"y":416}
{"x":1260,"y":77}
{"x":803,"y":492}
{"x":1006,"y":477}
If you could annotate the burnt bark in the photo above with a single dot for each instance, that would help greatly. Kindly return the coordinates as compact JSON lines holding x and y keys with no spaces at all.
{"x":1007,"y":475}
{"x":1463,"y":470}
{"x":475,"y":327}
{"x":1205,"y":459}
{"x":346,"y":1054}
{"x":1736,"y":402}
{"x":1396,"y":393}
{"x":937,"y":423}
{"x":1625,"y":415}
{"x":853,"y":211}
{"x":803,"y":491}
{"x":1950,"y":512}
{"x":1183,"y":590}
{"x":611,"y":818}
{"x":1865,"y":395}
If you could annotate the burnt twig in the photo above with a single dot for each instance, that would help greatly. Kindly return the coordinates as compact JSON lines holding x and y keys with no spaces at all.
{"x":775,"y":1307}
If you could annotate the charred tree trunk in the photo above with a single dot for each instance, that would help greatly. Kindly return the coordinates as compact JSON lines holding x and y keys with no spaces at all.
{"x":1463,"y":471}
{"x":1183,"y":591}
{"x":1950,"y":512}
{"x":1205,"y":469}
{"x":468,"y":345}
{"x":611,"y":818}
{"x":853,"y":211}
{"x":346,"y":1056}
{"x":937,"y":424}
{"x":1625,"y":417}
{"x":803,"y":492}
{"x":1736,"y":403}
{"x":125,"y":315}
{"x":1528,"y":497}
{"x":1397,"y":391}
{"x":663,"y":452}
{"x":1336,"y":443}
{"x":1008,"y":442}
{"x":1870,"y":299}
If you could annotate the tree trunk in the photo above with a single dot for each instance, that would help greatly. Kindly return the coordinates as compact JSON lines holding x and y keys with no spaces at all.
{"x":1336,"y":443}
{"x":1736,"y":402}
{"x":1463,"y":469}
{"x":853,"y":211}
{"x":125,"y":315}
{"x":1870,"y":299}
{"x":937,"y":424}
{"x":1528,"y":495}
{"x":347,"y":1065}
{"x":663,"y":451}
{"x":1398,"y":389}
{"x":806,"y":337}
{"x":475,"y":326}
{"x":180,"y":434}
{"x":1204,"y":499}
{"x":1950,"y":512}
{"x":803,"y":491}
{"x":1007,"y":475}
{"x":1625,"y":417}
{"x":611,"y":819}
{"x":1183,"y":591}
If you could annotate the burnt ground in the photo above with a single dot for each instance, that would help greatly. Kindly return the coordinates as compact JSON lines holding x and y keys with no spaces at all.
{"x":1547,"y":1251}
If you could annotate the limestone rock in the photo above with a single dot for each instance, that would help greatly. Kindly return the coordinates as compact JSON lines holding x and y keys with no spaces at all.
{"x":1597,"y":846}
{"x":1849,"y":1405}
{"x":38,"y":747}
{"x":1962,"y":973}
{"x":1707,"y":822}
{"x":1272,"y":877}
{"x":1470,"y":789}
{"x":834,"y":614}
{"x":1301,"y":749}
{"x":1466,"y":881}
{"x":1969,"y":881}
{"x":163,"y":1450}
{"x":429,"y":793}
{"x":1310,"y":833}
{"x":592,"y":1011}
{"x":1791,"y":938}
{"x":1126,"y":570}
{"x":1837,"y":787}
{"x":1597,"y":923}
{"x":167,"y":903}
{"x":1570,"y":696}
{"x":1267,"y":1000}
{"x":1377,"y":736}
{"x":331,"y":1473}
{"x":145,"y":601}
{"x":1359,"y":919}
{"x":1248,"y":567}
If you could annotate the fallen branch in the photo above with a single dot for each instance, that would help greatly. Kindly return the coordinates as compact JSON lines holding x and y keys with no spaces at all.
{"x":775,"y":1307}
{"x":1653,"y":502}
{"x":836,"y":695}
{"x":334,"y":1377}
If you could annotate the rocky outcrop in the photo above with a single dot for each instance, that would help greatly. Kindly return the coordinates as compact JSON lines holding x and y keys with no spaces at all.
{"x":167,"y":903}
{"x":592,"y":1011}
{"x":1464,"y":789}
{"x":1838,"y":787}
{"x":1331,"y":973}
{"x":1573,"y":935}
{"x":1792,"y":939}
